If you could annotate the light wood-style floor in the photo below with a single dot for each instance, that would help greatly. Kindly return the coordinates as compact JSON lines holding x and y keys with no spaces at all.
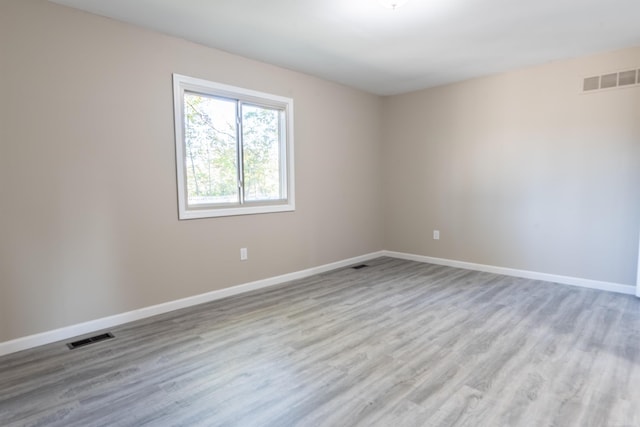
{"x":398,"y":343}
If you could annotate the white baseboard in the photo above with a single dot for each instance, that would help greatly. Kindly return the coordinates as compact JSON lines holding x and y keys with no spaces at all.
{"x":130,"y":316}
{"x":638,"y":272}
{"x":565,"y":280}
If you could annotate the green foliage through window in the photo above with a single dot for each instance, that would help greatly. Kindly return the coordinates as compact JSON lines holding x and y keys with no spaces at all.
{"x":221,"y":164}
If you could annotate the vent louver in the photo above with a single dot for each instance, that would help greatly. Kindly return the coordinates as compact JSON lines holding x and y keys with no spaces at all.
{"x":591,"y":83}
{"x":611,"y":80}
{"x":91,"y":340}
{"x":627,"y":78}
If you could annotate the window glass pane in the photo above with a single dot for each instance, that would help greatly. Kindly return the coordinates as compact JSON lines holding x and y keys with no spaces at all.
{"x":261,"y":153}
{"x":210,"y":150}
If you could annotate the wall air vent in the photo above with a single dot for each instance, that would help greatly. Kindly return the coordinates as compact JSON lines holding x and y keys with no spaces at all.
{"x":627,"y":78}
{"x":90,"y":340}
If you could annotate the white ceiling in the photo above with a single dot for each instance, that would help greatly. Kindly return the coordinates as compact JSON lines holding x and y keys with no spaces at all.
{"x":361,"y":44}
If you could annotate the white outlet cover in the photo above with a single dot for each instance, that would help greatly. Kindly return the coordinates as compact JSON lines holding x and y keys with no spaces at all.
{"x":436,"y":234}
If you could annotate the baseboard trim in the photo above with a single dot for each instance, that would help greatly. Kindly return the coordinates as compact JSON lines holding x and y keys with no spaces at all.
{"x":91,"y":326}
{"x":564,"y":280}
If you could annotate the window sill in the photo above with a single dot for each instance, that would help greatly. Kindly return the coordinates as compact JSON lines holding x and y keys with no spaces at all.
{"x":235,"y":211}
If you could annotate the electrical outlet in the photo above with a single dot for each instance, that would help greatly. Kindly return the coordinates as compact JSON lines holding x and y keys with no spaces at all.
{"x":436,"y":234}
{"x":244,"y":255}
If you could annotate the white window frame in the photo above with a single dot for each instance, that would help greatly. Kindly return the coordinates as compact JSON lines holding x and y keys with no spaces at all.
{"x":181,"y":84}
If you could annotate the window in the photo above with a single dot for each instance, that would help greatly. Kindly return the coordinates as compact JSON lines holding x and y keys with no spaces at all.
{"x":234,"y":150}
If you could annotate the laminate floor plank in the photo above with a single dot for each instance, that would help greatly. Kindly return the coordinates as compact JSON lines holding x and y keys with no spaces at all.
{"x":397,"y":343}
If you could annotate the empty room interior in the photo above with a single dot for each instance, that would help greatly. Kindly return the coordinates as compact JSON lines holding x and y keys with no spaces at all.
{"x":319,"y":213}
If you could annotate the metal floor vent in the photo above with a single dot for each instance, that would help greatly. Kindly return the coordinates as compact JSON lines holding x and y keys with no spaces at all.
{"x":628,"y":78}
{"x":358,"y":267}
{"x":91,"y":340}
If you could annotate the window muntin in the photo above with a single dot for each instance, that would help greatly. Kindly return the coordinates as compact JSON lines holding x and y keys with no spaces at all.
{"x":234,"y":150}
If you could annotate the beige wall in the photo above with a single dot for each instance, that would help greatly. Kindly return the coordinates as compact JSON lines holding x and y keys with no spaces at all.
{"x":89,"y":212}
{"x":519,"y":170}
